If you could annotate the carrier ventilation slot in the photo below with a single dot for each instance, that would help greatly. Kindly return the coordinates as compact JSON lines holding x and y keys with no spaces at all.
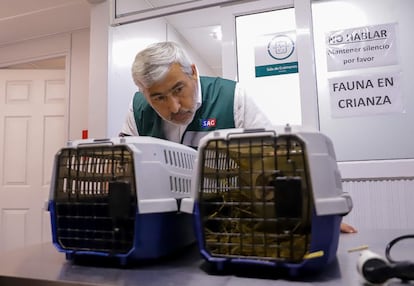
{"x":180,"y":185}
{"x":179,"y":159}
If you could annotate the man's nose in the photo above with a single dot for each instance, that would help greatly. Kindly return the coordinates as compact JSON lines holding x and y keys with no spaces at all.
{"x":174,"y":104}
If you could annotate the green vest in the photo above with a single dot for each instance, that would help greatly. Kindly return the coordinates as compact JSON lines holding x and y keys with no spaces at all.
{"x":216,"y":112}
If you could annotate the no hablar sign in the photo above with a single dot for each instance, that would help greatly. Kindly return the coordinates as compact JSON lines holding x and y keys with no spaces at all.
{"x":362,"y":47}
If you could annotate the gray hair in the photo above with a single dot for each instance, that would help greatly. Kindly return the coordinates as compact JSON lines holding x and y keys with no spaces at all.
{"x":152,"y":64}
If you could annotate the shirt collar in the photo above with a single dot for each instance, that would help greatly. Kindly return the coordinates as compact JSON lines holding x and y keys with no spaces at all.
{"x":199,"y":97}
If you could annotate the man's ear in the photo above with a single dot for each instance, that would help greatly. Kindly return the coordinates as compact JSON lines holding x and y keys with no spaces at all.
{"x":194,"y":69}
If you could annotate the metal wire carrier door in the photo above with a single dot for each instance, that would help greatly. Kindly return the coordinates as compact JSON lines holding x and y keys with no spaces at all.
{"x":95,"y":199}
{"x":255,"y":198}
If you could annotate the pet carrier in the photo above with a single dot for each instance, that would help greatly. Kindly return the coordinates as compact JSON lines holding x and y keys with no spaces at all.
{"x":121,"y":198}
{"x":267,"y":198}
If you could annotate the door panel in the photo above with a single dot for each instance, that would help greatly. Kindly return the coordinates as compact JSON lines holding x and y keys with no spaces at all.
{"x":33,"y":124}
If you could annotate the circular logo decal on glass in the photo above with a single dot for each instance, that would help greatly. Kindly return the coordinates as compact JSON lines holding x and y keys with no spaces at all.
{"x":281,"y":47}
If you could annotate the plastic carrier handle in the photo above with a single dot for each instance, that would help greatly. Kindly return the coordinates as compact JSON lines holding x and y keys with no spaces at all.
{"x":98,"y":142}
{"x":252,"y":132}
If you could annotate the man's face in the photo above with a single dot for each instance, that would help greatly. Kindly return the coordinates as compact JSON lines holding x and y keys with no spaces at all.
{"x":174,"y":97}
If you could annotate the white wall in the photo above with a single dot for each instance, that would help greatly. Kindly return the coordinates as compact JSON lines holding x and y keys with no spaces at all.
{"x":377,"y":146}
{"x":392,"y":176}
{"x":377,"y":167}
{"x":75,"y":46}
{"x":79,"y":83}
{"x":363,"y":127}
{"x":98,"y":70}
{"x":125,"y":42}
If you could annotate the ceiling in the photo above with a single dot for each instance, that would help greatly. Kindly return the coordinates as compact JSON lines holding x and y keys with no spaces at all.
{"x":199,"y":27}
{"x":201,"y":33}
{"x":23,"y":19}
{"x":27,"y":19}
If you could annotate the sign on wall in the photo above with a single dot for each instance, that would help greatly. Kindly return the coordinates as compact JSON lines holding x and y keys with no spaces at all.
{"x":275,"y":54}
{"x":361,"y":47}
{"x":365,"y":94}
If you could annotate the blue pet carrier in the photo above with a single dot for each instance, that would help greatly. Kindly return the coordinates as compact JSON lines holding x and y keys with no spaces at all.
{"x":267,"y":199}
{"x":120,"y":198}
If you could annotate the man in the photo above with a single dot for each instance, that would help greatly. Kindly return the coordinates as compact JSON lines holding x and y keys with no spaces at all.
{"x":177,"y":104}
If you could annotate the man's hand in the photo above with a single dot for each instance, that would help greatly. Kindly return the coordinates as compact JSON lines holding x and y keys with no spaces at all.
{"x":346,"y":228}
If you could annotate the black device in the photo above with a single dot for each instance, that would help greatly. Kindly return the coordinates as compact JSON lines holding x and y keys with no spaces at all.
{"x":376,"y":269}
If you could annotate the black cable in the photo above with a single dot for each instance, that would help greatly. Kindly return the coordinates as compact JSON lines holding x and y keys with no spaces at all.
{"x":403,"y":270}
{"x":392,"y":243}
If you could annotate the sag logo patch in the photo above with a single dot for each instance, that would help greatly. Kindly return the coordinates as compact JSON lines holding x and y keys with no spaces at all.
{"x":206,"y":123}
